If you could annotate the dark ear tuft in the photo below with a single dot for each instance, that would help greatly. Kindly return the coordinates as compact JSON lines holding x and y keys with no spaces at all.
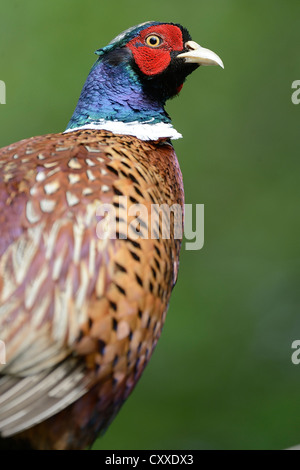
{"x":117,"y":56}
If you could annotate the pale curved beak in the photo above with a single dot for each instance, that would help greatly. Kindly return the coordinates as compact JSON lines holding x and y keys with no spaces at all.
{"x":199,"y":55}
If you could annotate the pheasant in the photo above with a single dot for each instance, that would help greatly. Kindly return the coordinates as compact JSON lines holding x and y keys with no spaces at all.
{"x":82,"y":298}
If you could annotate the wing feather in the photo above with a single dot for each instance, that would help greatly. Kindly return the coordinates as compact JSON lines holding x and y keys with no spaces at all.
{"x":49,"y":262}
{"x":28,"y":401}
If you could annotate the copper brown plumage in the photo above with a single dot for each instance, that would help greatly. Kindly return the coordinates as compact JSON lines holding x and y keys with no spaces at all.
{"x":82,"y":298}
{"x":103,"y":301}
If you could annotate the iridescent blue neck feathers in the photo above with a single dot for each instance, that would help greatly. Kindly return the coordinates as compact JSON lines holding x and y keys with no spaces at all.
{"x":113,"y":99}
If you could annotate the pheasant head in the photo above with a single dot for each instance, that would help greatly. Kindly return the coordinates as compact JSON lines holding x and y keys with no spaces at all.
{"x":134,"y":76}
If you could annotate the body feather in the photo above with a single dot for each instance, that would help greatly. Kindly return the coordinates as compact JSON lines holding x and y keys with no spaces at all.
{"x":80,"y":315}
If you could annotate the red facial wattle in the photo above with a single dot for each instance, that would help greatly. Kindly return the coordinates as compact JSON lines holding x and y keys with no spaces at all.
{"x":154,"y":60}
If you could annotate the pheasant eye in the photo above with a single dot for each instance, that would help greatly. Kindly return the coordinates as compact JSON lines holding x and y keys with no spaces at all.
{"x":153,"y":40}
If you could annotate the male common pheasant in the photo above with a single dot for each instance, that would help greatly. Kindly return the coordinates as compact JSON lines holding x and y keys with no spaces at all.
{"x":82,"y":305}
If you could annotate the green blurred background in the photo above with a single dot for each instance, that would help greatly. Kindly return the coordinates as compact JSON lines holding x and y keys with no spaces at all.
{"x":221,"y":376}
